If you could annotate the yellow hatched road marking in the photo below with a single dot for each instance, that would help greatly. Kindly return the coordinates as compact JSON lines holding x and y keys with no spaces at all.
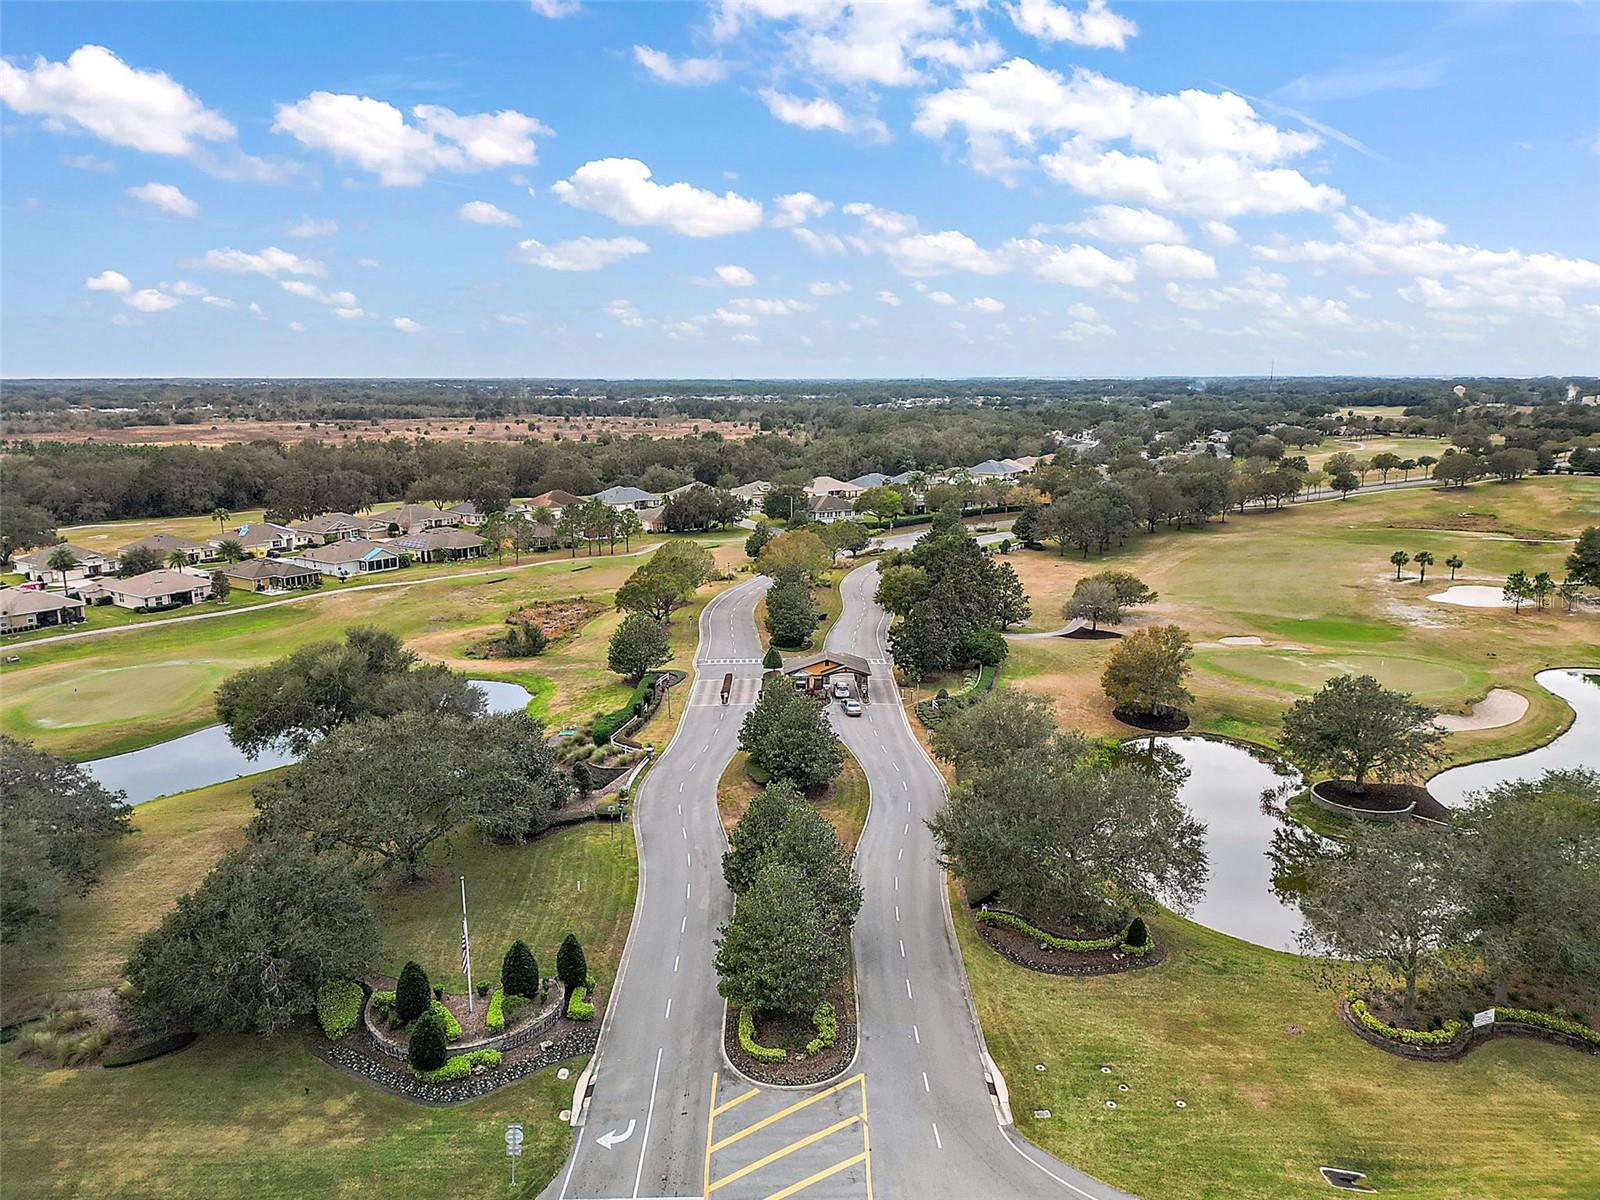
{"x":711,"y":1116}
{"x":866,"y":1136}
{"x":781,"y":1113}
{"x":819,"y":1176}
{"x":722,"y":1108}
{"x":801,"y":1144}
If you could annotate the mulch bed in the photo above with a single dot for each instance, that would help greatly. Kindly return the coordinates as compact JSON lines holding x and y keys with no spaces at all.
{"x":797,"y":1070}
{"x":1175,"y":722}
{"x":1092,"y":635}
{"x":1384,"y":797}
{"x":1026,"y":951}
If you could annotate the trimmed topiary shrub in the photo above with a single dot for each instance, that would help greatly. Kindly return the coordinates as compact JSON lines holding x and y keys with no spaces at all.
{"x":459,"y":1066}
{"x":339,"y":1006}
{"x":578,"y":1007}
{"x":571,"y":966}
{"x":772,"y":660}
{"x":991,"y":917}
{"x":148,"y":1050}
{"x":1137,"y":935}
{"x":412,"y":995}
{"x":1548,"y":1021}
{"x":826,"y":1022}
{"x":748,"y":1043}
{"x":502,"y":1010}
{"x":1442,"y":1036}
{"x":427,"y":1049}
{"x":519,"y":972}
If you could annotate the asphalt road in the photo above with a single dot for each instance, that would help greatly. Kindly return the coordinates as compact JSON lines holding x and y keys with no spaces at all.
{"x":913,"y":1116}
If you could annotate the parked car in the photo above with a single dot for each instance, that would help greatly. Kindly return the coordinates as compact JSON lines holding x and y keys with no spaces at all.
{"x":852,"y":708}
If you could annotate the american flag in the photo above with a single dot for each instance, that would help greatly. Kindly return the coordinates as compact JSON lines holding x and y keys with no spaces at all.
{"x":466,"y":949}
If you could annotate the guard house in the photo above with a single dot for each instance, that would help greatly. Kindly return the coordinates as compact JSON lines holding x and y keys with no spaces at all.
{"x":813,"y":674}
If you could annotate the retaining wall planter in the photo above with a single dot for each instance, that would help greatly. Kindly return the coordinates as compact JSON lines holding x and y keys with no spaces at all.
{"x":1465,"y":1042}
{"x":798,"y":1071}
{"x":512,"y":1039}
{"x":1398,"y":811}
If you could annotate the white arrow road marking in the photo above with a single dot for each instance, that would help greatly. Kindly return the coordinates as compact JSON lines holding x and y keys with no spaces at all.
{"x":608,"y":1140}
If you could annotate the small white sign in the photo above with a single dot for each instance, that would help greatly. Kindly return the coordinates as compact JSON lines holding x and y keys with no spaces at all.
{"x":514,"y":1140}
{"x":1486,"y":1017}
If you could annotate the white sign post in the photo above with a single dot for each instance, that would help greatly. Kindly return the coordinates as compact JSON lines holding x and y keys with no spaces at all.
{"x":514,"y":1148}
{"x":1480,"y":1019}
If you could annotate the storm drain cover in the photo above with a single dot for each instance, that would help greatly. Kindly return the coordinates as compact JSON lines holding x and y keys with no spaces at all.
{"x":1041,"y":1114}
{"x":1347,"y":1180}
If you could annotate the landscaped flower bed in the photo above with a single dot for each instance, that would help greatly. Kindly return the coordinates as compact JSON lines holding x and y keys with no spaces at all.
{"x":1029,"y":945}
{"x":794,"y":1051}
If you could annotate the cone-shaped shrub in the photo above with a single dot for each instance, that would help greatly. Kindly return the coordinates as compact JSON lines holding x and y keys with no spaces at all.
{"x":772,"y":660}
{"x":571,"y":966}
{"x":1138,"y":935}
{"x":519,"y":973}
{"x":427,"y":1050}
{"x":412,"y":995}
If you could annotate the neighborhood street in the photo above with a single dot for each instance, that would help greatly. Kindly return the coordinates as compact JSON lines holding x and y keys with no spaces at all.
{"x":914,"y":1115}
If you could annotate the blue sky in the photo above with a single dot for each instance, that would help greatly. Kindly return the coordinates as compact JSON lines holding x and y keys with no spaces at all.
{"x":799,"y":188}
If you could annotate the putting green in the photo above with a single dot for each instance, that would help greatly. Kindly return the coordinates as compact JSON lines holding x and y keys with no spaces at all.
{"x":1306,"y":672}
{"x":84,"y":698}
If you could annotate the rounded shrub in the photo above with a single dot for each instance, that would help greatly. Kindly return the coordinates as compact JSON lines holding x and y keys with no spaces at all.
{"x":571,"y":966}
{"x":412,"y":995}
{"x":1138,"y":935}
{"x":519,"y":973}
{"x":427,"y":1049}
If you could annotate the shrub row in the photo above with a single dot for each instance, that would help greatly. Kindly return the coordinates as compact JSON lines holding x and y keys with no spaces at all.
{"x":384,"y":1005}
{"x":1116,"y":941}
{"x":578,"y":1006}
{"x":748,"y":1043}
{"x":502,"y":1009}
{"x":339,"y":1004}
{"x":452,"y":1027}
{"x":1442,"y":1036}
{"x":609,"y":723}
{"x":148,"y":1050}
{"x":1527,"y":1016}
{"x":826,"y":1022}
{"x":458,"y":1066}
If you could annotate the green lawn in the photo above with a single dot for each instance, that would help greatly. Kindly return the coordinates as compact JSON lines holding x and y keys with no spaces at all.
{"x":1274,"y":1085}
{"x":238,"y":1117}
{"x":844,"y":804}
{"x":1314,"y":583}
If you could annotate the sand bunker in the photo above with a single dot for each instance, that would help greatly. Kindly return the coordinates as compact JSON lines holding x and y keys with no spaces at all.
{"x":1243,"y":641}
{"x":1500,"y":707}
{"x":1471,"y":595}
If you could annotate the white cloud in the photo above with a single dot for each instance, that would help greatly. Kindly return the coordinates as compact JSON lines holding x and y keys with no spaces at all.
{"x":218,"y":302}
{"x":96,"y":91}
{"x":624,"y":311}
{"x":481,"y":212}
{"x":823,"y":288}
{"x":370,"y":263}
{"x":1095,"y":26}
{"x":1192,"y":151}
{"x":1221,"y":232}
{"x":747,"y":339}
{"x":269,"y":261}
{"x":1074,"y":266}
{"x":685,"y":72}
{"x":167,"y":197}
{"x":745,"y":310}
{"x":621,"y":188}
{"x":889,"y":298}
{"x":1178,"y":262}
{"x":925,"y":254}
{"x":407,"y":325}
{"x":311,"y":227}
{"x":734,"y":276}
{"x":941,"y":297}
{"x":184,"y":287}
{"x":1086,"y":331}
{"x":1116,"y":223}
{"x":554,"y":9}
{"x":824,"y":245}
{"x":797,"y":208}
{"x":350,"y":314}
{"x":987,"y":304}
{"x":375,"y":136}
{"x":88,"y":162}
{"x":297,"y":326}
{"x":151,"y":300}
{"x":729,"y":317}
{"x":580,"y":254}
{"x":108,"y":281}
{"x":819,"y":112}
{"x":343,"y":300}
{"x":881,"y":220}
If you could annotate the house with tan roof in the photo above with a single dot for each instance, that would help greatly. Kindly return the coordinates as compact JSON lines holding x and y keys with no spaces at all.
{"x":157,"y":590}
{"x":165,"y":543}
{"x":336,"y":526}
{"x":261,"y":538}
{"x":22,"y":610}
{"x":346,"y":559}
{"x":91,"y":563}
{"x":272,"y":575}
{"x":414,"y":518}
{"x":439,"y":545}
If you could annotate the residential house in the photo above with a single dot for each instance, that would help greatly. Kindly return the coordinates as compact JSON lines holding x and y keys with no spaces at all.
{"x":827,"y":485}
{"x":439,"y":545}
{"x":272,"y":575}
{"x":262,"y":538}
{"x":828,"y":509}
{"x":871,"y":479}
{"x":91,"y":563}
{"x":622,"y":496}
{"x":414,"y":518}
{"x":165,"y":543}
{"x":336,"y":526}
{"x":346,"y":559}
{"x":996,"y":468}
{"x":22,"y":610}
{"x":555,"y":500}
{"x":469,"y":513}
{"x":753,"y":493}
{"x":156,"y":590}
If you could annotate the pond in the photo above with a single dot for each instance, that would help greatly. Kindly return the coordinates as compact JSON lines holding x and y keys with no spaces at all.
{"x":206,"y":756}
{"x":1223,"y":791}
{"x":1579,"y":746}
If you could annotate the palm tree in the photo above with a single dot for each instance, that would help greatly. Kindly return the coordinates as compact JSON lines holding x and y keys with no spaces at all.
{"x":1424,"y":560}
{"x":177,"y":560}
{"x":62,"y":559}
{"x":221,"y":516}
{"x":1399,"y":558}
{"x":1455,"y":563}
{"x":231,"y":549}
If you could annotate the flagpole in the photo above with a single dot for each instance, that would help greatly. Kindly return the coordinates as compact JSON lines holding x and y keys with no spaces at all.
{"x":466,"y":946}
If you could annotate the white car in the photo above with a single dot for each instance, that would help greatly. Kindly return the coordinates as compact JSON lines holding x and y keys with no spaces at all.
{"x":852,"y":708}
{"x":841,"y":690}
